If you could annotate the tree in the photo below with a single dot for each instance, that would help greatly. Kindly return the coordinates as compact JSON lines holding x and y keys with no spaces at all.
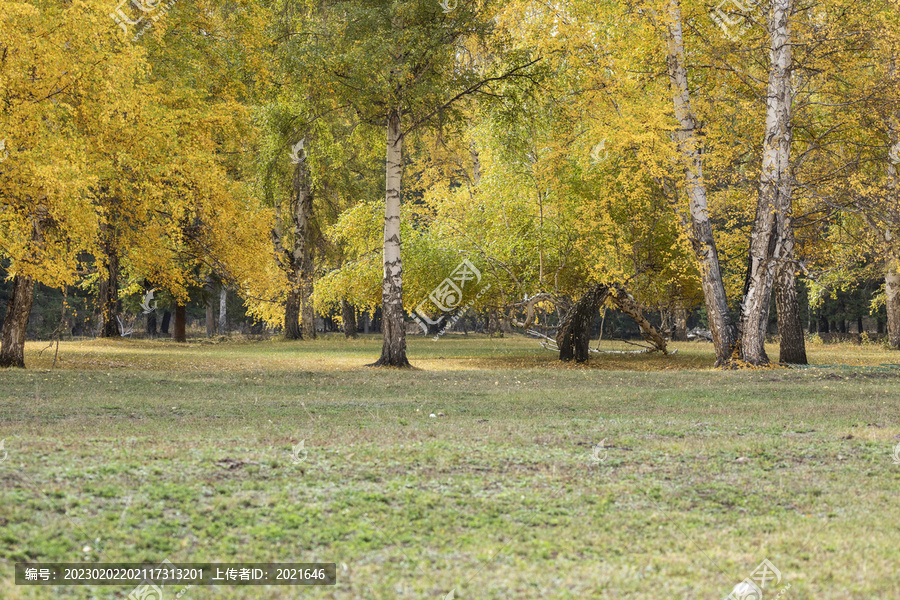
{"x":400,"y":66}
{"x":690,"y":146}
{"x":12,"y":343}
{"x":348,"y":319}
{"x":66,"y":73}
{"x":771,"y":245}
{"x":574,"y":332}
{"x":297,"y":260}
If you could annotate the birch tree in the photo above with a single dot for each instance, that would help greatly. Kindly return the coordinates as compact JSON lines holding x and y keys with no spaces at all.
{"x":402,"y":66}
{"x":892,"y":254}
{"x":770,"y":242}
{"x":690,"y":147}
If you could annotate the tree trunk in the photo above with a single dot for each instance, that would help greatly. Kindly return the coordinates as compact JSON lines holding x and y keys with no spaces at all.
{"x":892,"y":257}
{"x":393,"y":350}
{"x":308,"y":315}
{"x":210,"y":320}
{"x":303,"y":229}
{"x":348,"y":319}
{"x":109,"y":292}
{"x":210,"y":308}
{"x":792,"y":342}
{"x":292,"y":317}
{"x":150,"y":316}
{"x":892,"y":291}
{"x":681,"y":315}
{"x":151,"y":325}
{"x":574,"y":334}
{"x":494,"y":323}
{"x":666,"y":319}
{"x":297,"y":261}
{"x":179,"y":331}
{"x":164,"y":326}
{"x":223,"y":314}
{"x":768,"y":241}
{"x":699,"y":230}
{"x":12,"y":339}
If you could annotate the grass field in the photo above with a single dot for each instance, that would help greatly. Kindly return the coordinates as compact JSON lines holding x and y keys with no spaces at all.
{"x":133,"y":451}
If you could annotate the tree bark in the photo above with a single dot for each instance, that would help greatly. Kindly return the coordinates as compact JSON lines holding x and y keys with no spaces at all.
{"x":768,"y":243}
{"x":210,"y":308}
{"x":15,"y":324}
{"x":892,"y":291}
{"x":223,"y":314}
{"x":792,"y":341}
{"x":681,"y":315}
{"x":574,"y":334}
{"x":307,"y":313}
{"x":292,"y":317}
{"x":493,"y":323}
{"x":150,"y":316}
{"x":164,"y":326}
{"x":892,"y":256}
{"x":297,"y":261}
{"x":109,"y":291}
{"x":348,"y":319}
{"x":393,"y":349}
{"x":179,"y":330}
{"x":699,"y":229}
{"x":302,"y":230}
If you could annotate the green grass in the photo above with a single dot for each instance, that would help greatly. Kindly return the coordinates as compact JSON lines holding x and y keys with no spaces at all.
{"x":144,"y":451}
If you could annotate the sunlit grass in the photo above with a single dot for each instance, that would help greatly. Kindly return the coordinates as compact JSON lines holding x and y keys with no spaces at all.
{"x":333,"y":352}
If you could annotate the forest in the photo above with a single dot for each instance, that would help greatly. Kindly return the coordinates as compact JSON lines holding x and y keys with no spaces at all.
{"x":417,"y":166}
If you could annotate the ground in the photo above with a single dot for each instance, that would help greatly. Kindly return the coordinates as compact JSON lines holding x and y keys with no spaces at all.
{"x":640,"y":477}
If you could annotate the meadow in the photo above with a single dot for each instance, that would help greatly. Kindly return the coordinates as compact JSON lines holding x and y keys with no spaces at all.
{"x":489,"y":471}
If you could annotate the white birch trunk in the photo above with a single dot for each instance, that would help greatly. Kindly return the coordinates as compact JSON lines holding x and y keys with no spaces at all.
{"x":223,"y":315}
{"x":892,"y":291}
{"x":691,"y":150}
{"x":393,"y":350}
{"x":767,"y":242}
{"x":892,"y":257}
